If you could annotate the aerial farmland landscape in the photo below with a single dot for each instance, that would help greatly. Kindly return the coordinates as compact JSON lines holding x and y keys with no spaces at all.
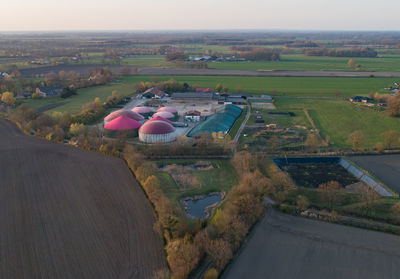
{"x":199,"y":139}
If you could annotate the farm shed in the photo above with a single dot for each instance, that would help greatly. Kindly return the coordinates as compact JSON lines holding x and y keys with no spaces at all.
{"x":193,"y":116}
{"x":127,"y":113}
{"x":49,"y":91}
{"x":157,"y":131}
{"x":221,"y":121}
{"x":122,"y":125}
{"x":153,"y":93}
{"x":192,"y":96}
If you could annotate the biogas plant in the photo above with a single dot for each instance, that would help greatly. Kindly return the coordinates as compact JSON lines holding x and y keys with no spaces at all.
{"x":143,"y":121}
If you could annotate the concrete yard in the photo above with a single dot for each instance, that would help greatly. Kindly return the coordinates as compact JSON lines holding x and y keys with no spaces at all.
{"x":283,"y":246}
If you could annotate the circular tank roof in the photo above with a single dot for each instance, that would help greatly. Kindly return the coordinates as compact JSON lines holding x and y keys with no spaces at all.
{"x":156,"y":127}
{"x":127,"y":113}
{"x":159,"y":118}
{"x":169,"y":109}
{"x":164,"y":114}
{"x":142,"y":110}
{"x":122,"y":123}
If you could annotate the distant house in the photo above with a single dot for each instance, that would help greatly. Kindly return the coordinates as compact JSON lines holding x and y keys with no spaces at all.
{"x":360,"y":99}
{"x":153,"y":93}
{"x":204,"y":58}
{"x":193,"y":116}
{"x":204,"y":90}
{"x":4,"y":74}
{"x":382,"y":104}
{"x":24,"y":95}
{"x":49,"y":91}
{"x":192,"y":96}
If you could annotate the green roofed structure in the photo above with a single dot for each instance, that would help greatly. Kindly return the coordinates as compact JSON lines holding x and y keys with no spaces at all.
{"x":221,"y":121}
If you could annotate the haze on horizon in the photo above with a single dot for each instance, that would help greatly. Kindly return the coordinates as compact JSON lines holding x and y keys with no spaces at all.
{"x":76,"y":15}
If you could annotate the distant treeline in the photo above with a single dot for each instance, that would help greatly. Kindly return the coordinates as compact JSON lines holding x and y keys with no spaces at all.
{"x":352,"y":52}
{"x":260,"y":54}
{"x":302,"y":44}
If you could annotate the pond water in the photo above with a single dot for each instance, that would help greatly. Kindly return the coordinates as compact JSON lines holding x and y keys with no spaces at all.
{"x":197,"y":207}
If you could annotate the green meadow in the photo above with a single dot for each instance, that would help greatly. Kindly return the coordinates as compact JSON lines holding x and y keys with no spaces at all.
{"x":338,"y":119}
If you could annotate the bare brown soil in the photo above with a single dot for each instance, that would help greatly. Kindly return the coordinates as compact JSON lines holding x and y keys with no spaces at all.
{"x":285,"y":247}
{"x":384,"y":167}
{"x":68,"y":213}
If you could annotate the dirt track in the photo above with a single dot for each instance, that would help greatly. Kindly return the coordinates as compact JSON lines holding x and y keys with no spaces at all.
{"x":384,"y":167}
{"x":283,"y":246}
{"x":83,"y":69}
{"x":68,"y":213}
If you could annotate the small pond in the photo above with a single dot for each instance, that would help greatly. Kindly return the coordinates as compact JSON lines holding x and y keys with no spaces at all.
{"x":199,"y":207}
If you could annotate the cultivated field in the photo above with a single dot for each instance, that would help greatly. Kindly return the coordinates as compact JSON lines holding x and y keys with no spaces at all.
{"x":384,"y":167}
{"x":68,"y":213}
{"x":283,"y":246}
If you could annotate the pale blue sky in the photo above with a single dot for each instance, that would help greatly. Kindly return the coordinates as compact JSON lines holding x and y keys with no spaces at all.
{"x":196,"y":14}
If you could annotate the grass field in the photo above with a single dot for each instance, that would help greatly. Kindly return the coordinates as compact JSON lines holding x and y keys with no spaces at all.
{"x":338,"y":119}
{"x":84,"y":95}
{"x":145,"y":60}
{"x":286,"y":86}
{"x":384,"y":63}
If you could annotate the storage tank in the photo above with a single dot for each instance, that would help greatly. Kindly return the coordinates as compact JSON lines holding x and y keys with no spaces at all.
{"x":122,"y":125}
{"x":157,"y":131}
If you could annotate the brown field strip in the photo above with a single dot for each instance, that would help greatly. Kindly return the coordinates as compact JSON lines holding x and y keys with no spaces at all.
{"x":68,"y":213}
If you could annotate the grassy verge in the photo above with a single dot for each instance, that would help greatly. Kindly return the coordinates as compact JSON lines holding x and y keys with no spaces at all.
{"x":238,"y":122}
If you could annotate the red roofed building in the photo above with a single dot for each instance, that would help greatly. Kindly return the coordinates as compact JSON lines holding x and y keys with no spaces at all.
{"x":204,"y":90}
{"x":153,"y":92}
{"x":193,"y":116}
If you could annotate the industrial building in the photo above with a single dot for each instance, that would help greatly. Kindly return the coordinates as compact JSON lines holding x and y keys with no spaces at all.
{"x":221,"y":121}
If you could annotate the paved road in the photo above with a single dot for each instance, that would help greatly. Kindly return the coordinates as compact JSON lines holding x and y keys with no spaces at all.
{"x":240,"y":130}
{"x":84,"y":69}
{"x":283,"y":246}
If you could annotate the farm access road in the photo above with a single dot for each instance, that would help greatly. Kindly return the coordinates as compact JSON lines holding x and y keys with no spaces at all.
{"x":285,"y":247}
{"x":69,"y":213}
{"x":149,"y":71}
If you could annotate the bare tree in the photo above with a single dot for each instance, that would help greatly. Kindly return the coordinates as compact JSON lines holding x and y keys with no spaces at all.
{"x":356,"y":139}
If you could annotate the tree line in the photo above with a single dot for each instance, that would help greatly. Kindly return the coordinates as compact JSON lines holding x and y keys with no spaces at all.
{"x":351,"y":52}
